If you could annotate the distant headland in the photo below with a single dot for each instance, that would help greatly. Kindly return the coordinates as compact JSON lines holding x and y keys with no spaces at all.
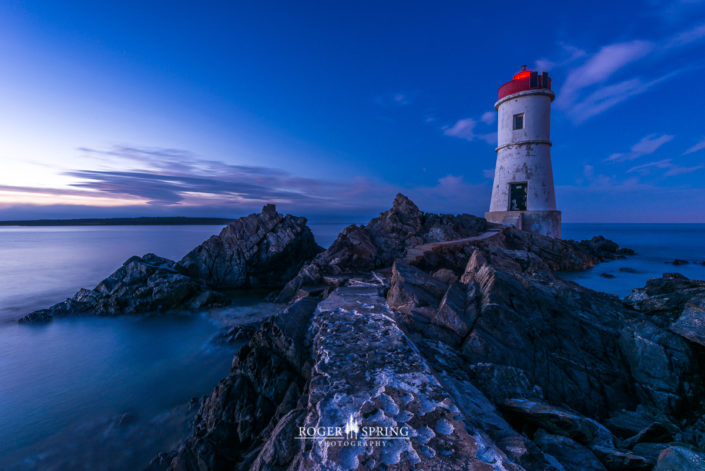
{"x":138,"y":221}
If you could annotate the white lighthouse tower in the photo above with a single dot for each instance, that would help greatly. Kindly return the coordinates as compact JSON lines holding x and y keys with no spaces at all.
{"x":522,"y":192}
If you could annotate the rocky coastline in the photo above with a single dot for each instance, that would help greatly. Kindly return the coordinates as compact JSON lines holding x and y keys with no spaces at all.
{"x":457,"y":329}
{"x":259,"y":251}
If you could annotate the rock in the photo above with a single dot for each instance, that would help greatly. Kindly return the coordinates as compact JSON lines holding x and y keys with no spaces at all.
{"x":569,"y":454}
{"x":260,"y":250}
{"x":650,"y":451}
{"x":502,"y":382}
{"x":654,"y":432}
{"x":411,"y":287}
{"x":488,"y":358}
{"x":677,"y":458}
{"x":678,"y":262}
{"x":628,"y":270}
{"x":664,"y":298}
{"x":665,"y":374}
{"x":625,"y":423}
{"x":263,"y":386}
{"x":691,"y":323}
{"x":618,"y":460}
{"x":386,"y":382}
{"x":530,"y":319}
{"x":383,"y":240}
{"x":141,"y":285}
{"x":559,"y":421}
{"x":446,"y":276}
{"x":606,"y":275}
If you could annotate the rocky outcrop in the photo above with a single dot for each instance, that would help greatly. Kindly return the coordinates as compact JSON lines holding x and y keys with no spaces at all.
{"x":477,"y":349}
{"x":257,"y":251}
{"x":142,"y":284}
{"x":260,"y":250}
{"x":378,"y":244}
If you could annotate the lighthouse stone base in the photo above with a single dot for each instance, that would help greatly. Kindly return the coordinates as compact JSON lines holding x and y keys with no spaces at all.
{"x":541,"y":222}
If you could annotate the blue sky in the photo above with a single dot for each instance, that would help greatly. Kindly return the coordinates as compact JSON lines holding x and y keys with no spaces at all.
{"x":330,"y":108}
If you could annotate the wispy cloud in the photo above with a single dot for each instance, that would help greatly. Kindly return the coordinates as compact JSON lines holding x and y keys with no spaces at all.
{"x":666,"y":164}
{"x":590,"y":88}
{"x":398,"y":98}
{"x":465,"y":129}
{"x":489,"y":117}
{"x":171,"y":181}
{"x":566,"y":55}
{"x":596,"y":70}
{"x":647,"y":145}
{"x":699,"y":146}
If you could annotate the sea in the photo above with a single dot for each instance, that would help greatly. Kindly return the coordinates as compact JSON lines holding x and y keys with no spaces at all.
{"x":111,"y":393}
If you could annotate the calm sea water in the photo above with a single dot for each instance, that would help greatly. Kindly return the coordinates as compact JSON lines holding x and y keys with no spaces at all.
{"x":100,"y":393}
{"x":655,"y":246}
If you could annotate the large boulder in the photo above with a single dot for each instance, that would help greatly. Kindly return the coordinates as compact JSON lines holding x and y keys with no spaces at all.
{"x":262,"y":250}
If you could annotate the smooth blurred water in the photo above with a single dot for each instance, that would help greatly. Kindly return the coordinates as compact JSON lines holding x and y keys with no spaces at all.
{"x":109,"y":393}
{"x":40,"y":266}
{"x":655,"y":245}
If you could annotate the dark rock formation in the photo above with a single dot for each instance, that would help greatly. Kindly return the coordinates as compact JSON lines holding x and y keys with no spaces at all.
{"x":258,"y":251}
{"x":142,"y":284}
{"x":678,"y":262}
{"x":462,"y":333}
{"x":378,"y":244}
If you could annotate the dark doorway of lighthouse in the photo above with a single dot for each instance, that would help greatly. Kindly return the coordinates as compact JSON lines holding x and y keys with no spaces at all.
{"x":517,"y":196}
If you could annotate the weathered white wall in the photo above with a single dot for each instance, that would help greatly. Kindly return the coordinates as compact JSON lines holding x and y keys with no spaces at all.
{"x":524,"y":155}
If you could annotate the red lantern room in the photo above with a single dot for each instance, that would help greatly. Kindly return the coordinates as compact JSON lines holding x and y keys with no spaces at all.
{"x":525,"y":80}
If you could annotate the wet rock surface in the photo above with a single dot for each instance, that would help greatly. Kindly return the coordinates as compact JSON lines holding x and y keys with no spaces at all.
{"x":257,"y":251}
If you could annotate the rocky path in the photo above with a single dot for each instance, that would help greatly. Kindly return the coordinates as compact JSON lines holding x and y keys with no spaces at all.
{"x":415,"y":254}
{"x":370,"y":371}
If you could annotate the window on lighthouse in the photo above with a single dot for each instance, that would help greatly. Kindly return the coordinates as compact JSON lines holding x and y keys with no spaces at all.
{"x":519,"y":121}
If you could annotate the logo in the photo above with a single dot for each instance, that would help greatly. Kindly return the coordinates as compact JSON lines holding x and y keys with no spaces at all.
{"x":353,"y":433}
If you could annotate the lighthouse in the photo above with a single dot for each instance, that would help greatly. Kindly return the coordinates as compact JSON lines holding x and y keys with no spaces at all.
{"x":522,"y":192}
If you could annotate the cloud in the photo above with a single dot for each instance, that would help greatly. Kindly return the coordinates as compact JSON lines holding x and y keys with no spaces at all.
{"x":489,"y":117}
{"x":647,"y":145}
{"x":666,"y":164}
{"x":152,"y":181}
{"x":699,"y":146}
{"x":567,"y":55}
{"x":687,"y":37}
{"x":590,"y":88}
{"x":605,"y":98}
{"x":394,"y":99}
{"x":465,"y":129}
{"x":602,"y":65}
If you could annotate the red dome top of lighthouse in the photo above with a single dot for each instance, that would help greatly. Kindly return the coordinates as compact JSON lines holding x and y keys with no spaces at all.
{"x":525,"y":80}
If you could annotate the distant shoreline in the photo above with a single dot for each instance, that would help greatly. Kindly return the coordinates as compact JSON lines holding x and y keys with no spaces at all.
{"x":140,"y":221}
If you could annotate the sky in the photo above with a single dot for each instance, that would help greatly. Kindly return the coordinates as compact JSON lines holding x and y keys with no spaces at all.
{"x":328,"y":109}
